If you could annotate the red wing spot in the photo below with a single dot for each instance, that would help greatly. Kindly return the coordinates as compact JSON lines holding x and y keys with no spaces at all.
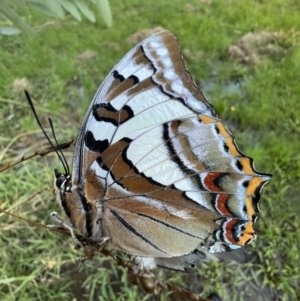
{"x":209,"y":181}
{"x":229,"y":230}
{"x":221,"y":199}
{"x":220,"y":204}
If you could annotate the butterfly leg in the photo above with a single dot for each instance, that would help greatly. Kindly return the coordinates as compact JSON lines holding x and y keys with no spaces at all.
{"x":92,"y":247}
{"x":62,"y":224}
{"x":102,"y":241}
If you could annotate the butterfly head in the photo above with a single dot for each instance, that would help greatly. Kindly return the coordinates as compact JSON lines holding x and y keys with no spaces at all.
{"x":84,"y":215}
{"x":62,"y":181}
{"x":62,"y":186}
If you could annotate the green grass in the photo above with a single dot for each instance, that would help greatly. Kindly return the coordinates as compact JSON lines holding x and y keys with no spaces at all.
{"x":262,"y":112}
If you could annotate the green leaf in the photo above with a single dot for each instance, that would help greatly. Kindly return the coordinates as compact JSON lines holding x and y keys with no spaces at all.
{"x":86,"y":11}
{"x":105,"y":12}
{"x":56,"y":7}
{"x":10,"y":14}
{"x":48,"y":7}
{"x":71,"y":8}
{"x":9,"y":31}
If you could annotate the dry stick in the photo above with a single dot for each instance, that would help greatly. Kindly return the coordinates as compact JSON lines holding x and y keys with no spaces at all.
{"x":28,"y":221}
{"x":41,"y":153}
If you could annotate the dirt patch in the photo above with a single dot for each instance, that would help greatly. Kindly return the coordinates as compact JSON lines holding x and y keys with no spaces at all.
{"x":252,"y":48}
{"x":194,"y":56}
{"x":18,"y":87}
{"x":142,"y":34}
{"x":86,"y":56}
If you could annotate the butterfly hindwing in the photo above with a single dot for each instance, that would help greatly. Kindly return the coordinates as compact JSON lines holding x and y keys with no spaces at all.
{"x":169,"y":195}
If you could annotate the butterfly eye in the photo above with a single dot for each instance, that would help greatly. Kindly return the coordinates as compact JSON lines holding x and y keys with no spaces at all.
{"x":60,"y":180}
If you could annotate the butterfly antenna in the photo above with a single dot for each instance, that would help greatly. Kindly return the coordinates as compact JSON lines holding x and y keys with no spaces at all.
{"x":64,"y":162}
{"x":44,"y":132}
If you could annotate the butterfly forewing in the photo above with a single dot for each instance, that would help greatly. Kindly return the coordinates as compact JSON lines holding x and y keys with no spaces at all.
{"x":144,"y":83}
{"x":154,"y":170}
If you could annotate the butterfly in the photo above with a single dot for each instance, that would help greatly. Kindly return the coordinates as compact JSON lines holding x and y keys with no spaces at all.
{"x":156,"y":174}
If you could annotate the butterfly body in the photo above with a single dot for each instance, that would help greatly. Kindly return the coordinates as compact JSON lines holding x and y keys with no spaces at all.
{"x":154,"y":170}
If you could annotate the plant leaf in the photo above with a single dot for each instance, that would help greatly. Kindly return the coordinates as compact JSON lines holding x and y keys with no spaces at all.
{"x":71,"y":8}
{"x":86,"y":11}
{"x":9,"y":31}
{"x":105,"y":12}
{"x":48,"y":7}
{"x":10,"y":14}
